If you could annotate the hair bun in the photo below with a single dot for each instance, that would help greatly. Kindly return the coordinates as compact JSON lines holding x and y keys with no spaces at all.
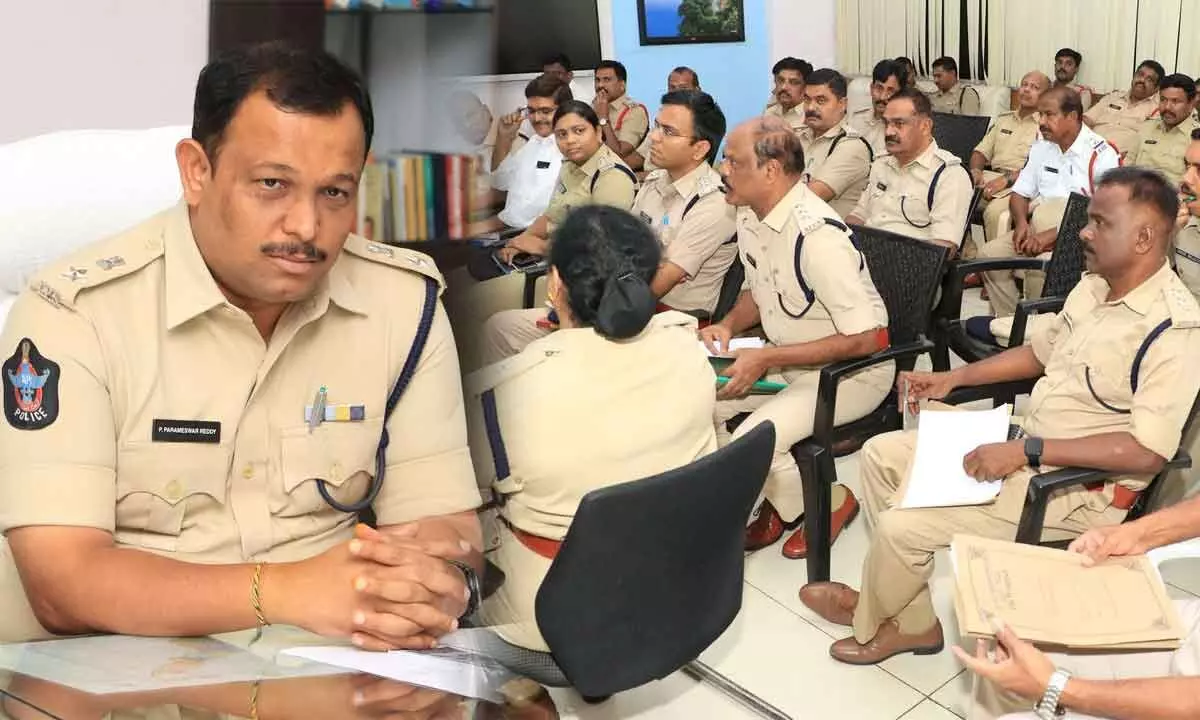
{"x":625,"y":308}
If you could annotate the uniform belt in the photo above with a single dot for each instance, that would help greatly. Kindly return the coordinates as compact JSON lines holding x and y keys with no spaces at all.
{"x":1123,"y":497}
{"x":545,"y":547}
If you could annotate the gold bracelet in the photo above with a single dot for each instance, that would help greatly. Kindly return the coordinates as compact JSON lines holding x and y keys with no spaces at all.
{"x":256,"y":596}
{"x":254,"y":701}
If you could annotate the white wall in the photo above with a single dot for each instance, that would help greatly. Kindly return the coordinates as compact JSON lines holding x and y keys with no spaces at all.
{"x":805,"y":29}
{"x":70,"y":64}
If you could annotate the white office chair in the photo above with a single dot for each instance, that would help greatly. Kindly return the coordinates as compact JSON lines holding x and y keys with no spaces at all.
{"x":1178,"y":551}
{"x":61,"y":191}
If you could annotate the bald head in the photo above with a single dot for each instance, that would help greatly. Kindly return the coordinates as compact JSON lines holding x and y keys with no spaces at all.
{"x":1030,"y":91}
{"x":763,"y":162}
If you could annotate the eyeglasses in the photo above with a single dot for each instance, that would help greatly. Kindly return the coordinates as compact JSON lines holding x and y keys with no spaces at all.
{"x":671,"y":132}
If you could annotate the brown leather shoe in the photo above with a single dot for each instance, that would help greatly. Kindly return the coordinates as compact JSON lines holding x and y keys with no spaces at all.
{"x":767,"y":528}
{"x":888,"y":641}
{"x":796,"y":546}
{"x":972,"y":280}
{"x":833,"y":601}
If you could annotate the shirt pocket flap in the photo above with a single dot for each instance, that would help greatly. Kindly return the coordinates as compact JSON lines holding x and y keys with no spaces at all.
{"x":333,"y":452}
{"x":173,"y":472}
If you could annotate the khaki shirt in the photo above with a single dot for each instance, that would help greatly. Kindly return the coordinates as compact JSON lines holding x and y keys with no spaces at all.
{"x":958,"y":100}
{"x":1095,"y":341}
{"x":1007,"y":142}
{"x":136,"y":335}
{"x":613,"y":186}
{"x":841,"y":158}
{"x":1162,"y":148}
{"x":870,"y":127}
{"x":842,"y":298}
{"x":897,"y":197}
{"x":794,"y":117}
{"x":1086,"y":94}
{"x":701,"y":243}
{"x":576,"y":412}
{"x":1118,"y":119}
{"x":1187,"y":255}
{"x":629,"y":119}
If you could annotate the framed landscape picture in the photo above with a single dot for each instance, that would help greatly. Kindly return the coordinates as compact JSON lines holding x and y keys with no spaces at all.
{"x":678,"y":22}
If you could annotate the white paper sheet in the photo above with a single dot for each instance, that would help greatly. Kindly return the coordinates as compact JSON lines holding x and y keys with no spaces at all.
{"x":746,"y":343}
{"x":944,"y":438}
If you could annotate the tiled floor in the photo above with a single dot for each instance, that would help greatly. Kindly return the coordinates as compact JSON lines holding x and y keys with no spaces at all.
{"x":778,"y":649}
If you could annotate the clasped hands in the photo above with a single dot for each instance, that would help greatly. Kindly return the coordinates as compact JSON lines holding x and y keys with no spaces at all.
{"x":748,"y":366}
{"x":384,"y":590}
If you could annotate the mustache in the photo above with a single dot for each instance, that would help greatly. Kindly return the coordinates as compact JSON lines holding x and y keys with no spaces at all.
{"x":812,"y":115}
{"x":309,"y":252}
{"x":891,"y":139}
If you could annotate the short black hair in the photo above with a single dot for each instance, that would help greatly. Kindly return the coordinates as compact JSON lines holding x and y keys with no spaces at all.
{"x":946,"y":63}
{"x":1179,"y":81}
{"x":1068,"y":100}
{"x":607,"y":259}
{"x":616,"y":67}
{"x":1068,"y":52}
{"x":557,"y":58}
{"x":549,"y":86}
{"x":685,"y":69}
{"x":885,"y":69}
{"x":920,"y":103}
{"x":834,"y":80}
{"x":1146,"y":187}
{"x":708,"y":121}
{"x":577,"y":107}
{"x":1155,"y":66}
{"x":310,"y":82}
{"x":803,"y":67}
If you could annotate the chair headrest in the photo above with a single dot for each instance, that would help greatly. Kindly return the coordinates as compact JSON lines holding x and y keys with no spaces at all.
{"x":64,"y":190}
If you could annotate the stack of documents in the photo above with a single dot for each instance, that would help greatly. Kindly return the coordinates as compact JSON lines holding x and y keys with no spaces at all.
{"x":944,"y":438}
{"x":1050,"y":598}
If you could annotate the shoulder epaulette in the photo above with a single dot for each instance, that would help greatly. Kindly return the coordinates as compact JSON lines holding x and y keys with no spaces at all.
{"x":397,"y":257}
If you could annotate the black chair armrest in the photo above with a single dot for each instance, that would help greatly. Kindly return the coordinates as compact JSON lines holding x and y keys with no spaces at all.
{"x":1025,"y":308}
{"x":831,"y":377}
{"x":531,"y":276}
{"x":994,"y":391}
{"x":950,"y":307}
{"x":510,"y":233}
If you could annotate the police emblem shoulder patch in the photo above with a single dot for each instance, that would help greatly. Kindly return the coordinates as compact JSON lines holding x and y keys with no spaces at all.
{"x":31,"y":388}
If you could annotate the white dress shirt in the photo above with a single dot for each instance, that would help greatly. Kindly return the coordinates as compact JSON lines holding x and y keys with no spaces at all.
{"x":529,"y":176}
{"x":1051,"y":173}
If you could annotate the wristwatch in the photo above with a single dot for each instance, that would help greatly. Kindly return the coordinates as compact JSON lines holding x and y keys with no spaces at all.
{"x":1033,"y":451}
{"x":472,"y":581}
{"x":603,"y":122}
{"x":1049,"y":708}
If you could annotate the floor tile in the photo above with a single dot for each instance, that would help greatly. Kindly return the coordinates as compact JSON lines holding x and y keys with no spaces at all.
{"x":674,"y":698}
{"x":956,"y":694}
{"x":929,"y":710}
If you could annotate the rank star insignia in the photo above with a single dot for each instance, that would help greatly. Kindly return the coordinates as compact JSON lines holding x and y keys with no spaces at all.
{"x":74,"y":274}
{"x":110,"y":262}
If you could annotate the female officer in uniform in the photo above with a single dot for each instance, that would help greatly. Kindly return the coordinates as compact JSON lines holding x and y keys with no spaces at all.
{"x":591,"y":174}
{"x":617,"y":394}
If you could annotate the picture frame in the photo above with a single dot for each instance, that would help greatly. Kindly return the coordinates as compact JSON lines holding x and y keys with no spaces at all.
{"x":691,"y":22}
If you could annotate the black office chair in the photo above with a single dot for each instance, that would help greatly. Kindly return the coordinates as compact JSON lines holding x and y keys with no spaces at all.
{"x":649,"y":575}
{"x":906,"y":272}
{"x":959,"y":134}
{"x":731,"y":288}
{"x":1043,"y":485}
{"x":1063,"y":270}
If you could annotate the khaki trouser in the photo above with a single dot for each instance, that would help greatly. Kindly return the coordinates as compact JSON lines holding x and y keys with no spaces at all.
{"x":900,"y":559}
{"x":470,"y":303}
{"x":509,"y":332}
{"x":990,"y":702}
{"x":792,"y":411}
{"x":510,"y":610}
{"x":1001,"y":285}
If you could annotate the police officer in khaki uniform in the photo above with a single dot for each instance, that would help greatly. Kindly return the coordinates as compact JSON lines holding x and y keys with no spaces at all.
{"x":181,"y":395}
{"x":1187,"y":240}
{"x":887,"y":79}
{"x":1163,"y":141}
{"x":1069,"y":158}
{"x":838,"y":159}
{"x":1119,"y":115}
{"x":791,"y":75}
{"x":812,"y":293}
{"x":999,"y":157}
{"x":591,"y":174}
{"x":681,"y":78}
{"x":918,"y":189}
{"x":1114,"y":394}
{"x":624,"y":121}
{"x":952,"y":97}
{"x":1066,"y":67}
{"x":684,"y":206}
{"x":548,"y":406}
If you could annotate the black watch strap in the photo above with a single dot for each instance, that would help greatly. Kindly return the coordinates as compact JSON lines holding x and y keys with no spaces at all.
{"x":472,"y":580}
{"x":1033,"y":451}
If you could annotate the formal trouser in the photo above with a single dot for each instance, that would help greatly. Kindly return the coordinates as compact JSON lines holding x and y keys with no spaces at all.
{"x":510,"y":610}
{"x":1001,"y":285}
{"x":990,"y":702}
{"x":509,"y":332}
{"x":1001,"y":327}
{"x":899,"y":560}
{"x":470,"y":303}
{"x":792,"y":411}
{"x":994,"y":212}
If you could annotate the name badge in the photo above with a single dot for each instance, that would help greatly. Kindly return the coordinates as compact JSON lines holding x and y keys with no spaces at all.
{"x":543,"y":165}
{"x":1115,"y":107}
{"x":1006,"y":132}
{"x":1151,"y":142}
{"x":881,"y":187}
{"x":186,"y":431}
{"x":1049,"y":169}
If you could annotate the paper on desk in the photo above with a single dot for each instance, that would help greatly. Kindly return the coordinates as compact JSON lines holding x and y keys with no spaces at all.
{"x":944,"y":438}
{"x":1047,"y":596}
{"x":451,"y":669}
{"x":744,"y":343}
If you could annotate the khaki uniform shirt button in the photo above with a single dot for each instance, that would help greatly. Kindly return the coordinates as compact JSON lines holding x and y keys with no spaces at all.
{"x":248,"y":472}
{"x":174,"y":490}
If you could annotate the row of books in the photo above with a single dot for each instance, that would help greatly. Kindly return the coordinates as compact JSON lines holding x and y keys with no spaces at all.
{"x":415,"y":197}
